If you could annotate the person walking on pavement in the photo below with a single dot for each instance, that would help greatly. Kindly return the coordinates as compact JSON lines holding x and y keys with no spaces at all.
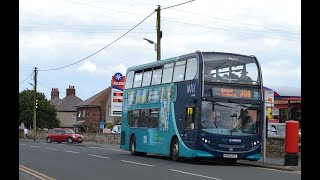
{"x":25,"y":132}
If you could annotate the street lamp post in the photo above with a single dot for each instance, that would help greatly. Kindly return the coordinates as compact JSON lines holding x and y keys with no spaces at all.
{"x":152,"y":42}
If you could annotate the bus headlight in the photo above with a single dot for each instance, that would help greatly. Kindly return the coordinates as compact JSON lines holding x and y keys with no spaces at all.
{"x":254,"y":143}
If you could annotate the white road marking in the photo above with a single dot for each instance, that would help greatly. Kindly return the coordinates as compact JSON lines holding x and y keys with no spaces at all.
{"x":292,"y":172}
{"x":108,"y":149}
{"x":52,"y":149}
{"x":35,"y":146}
{"x":138,"y":163}
{"x":71,"y":151}
{"x":98,"y":156}
{"x":23,"y":144}
{"x":195,"y":174}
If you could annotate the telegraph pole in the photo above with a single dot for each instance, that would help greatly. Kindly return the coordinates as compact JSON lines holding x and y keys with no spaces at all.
{"x":159,"y":34}
{"x":35,"y":104}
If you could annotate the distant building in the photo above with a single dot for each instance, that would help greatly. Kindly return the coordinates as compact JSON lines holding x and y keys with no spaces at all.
{"x":66,"y":110}
{"x":94,"y":110}
{"x":288,"y":101}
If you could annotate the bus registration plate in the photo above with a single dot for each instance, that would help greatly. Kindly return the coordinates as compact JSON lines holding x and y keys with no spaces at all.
{"x":230,"y":155}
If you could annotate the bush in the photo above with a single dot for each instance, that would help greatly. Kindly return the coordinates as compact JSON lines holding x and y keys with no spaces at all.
{"x":110,"y":125}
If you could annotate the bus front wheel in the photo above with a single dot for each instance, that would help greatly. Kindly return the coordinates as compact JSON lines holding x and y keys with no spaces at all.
{"x":175,"y":150}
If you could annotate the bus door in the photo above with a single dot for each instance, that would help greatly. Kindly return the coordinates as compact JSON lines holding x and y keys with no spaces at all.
{"x":142,"y":131}
{"x":153,"y":131}
{"x":190,"y":125}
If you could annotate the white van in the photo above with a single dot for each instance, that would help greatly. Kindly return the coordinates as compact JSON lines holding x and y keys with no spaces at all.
{"x":277,"y":130}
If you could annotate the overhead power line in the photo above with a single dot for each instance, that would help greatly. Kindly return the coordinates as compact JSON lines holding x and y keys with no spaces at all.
{"x":101,"y":48}
{"x":233,"y":21}
{"x":177,"y":5}
{"x":26,"y":78}
{"x":224,"y":29}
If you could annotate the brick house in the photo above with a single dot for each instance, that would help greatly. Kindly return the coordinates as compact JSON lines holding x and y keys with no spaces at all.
{"x":91,"y":111}
{"x":66,"y":110}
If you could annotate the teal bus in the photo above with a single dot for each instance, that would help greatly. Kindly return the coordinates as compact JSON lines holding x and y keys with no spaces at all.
{"x":197,"y":105}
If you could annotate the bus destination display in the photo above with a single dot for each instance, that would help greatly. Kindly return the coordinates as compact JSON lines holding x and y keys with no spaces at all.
{"x":236,"y":93}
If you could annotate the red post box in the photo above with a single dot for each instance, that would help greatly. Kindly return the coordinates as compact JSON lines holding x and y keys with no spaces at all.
{"x":292,"y":137}
{"x":292,"y":143}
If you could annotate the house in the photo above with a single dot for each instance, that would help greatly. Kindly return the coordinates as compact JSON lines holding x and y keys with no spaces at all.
{"x":66,"y":110}
{"x":94,"y":110}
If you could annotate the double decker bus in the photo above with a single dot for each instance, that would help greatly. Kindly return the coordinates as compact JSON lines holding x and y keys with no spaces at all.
{"x":198,"y":105}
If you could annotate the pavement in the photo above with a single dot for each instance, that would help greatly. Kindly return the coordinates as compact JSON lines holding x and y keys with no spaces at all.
{"x":269,"y":162}
{"x":273,"y":163}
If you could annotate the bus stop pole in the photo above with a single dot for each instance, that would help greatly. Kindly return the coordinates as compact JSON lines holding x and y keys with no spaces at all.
{"x":264,"y":133}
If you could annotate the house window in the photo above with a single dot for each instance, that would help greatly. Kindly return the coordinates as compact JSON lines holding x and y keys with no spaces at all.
{"x":74,"y":117}
{"x":84,"y":113}
{"x":79,"y":115}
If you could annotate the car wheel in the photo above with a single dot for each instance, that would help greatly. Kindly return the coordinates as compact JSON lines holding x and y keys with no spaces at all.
{"x":174,"y":150}
{"x":49,"y":140}
{"x":69,"y":140}
{"x":79,"y":141}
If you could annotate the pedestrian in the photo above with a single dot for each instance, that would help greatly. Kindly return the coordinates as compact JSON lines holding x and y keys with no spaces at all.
{"x":25,"y":132}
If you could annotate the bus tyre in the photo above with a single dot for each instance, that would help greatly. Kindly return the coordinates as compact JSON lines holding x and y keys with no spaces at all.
{"x":174,"y":150}
{"x":133,"y":146}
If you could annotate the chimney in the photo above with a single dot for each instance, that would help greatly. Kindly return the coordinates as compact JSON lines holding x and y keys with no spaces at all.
{"x":54,"y":93}
{"x":71,"y":91}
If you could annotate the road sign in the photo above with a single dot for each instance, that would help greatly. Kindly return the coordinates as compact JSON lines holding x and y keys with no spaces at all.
{"x":101,"y":124}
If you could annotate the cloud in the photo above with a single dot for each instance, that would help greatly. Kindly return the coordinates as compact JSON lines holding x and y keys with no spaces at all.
{"x":88,"y":67}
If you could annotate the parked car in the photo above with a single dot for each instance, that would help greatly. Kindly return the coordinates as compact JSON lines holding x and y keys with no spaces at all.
{"x":116,"y":128}
{"x":63,"y":135}
{"x":277,"y":130}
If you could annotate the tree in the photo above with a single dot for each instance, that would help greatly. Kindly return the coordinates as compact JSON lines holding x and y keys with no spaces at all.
{"x":46,"y":113}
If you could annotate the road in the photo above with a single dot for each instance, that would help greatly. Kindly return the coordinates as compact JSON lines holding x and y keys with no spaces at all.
{"x":108,"y":161}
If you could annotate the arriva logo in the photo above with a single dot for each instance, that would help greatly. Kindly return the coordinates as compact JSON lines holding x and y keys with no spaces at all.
{"x":191,"y":88}
{"x":234,"y":140}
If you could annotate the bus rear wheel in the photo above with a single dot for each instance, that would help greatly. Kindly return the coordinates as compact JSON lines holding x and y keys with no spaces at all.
{"x":133,"y":146}
{"x":174,"y":150}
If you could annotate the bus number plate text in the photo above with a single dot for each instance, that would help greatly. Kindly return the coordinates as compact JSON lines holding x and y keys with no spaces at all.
{"x":230,"y":155}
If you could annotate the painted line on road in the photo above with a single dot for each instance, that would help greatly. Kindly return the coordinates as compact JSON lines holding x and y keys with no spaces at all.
{"x":23,"y":144}
{"x":292,"y":172}
{"x":71,"y":151}
{"x":35,"y":173}
{"x":51,"y":149}
{"x":108,"y":149}
{"x":137,"y":163}
{"x":98,"y":156}
{"x":35,"y":146}
{"x":208,"y":177}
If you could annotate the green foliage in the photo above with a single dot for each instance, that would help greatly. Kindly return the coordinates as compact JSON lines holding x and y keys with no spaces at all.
{"x":110,"y":125}
{"x":46,"y":113}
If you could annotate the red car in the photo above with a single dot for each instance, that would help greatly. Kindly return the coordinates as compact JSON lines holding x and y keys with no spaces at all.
{"x":63,"y":135}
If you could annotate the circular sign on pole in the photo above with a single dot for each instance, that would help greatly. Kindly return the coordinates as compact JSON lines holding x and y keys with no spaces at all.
{"x":118,"y":76}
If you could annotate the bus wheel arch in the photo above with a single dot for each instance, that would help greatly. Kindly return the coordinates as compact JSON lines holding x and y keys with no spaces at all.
{"x":174,"y":149}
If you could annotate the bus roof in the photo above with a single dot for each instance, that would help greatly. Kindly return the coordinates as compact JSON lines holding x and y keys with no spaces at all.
{"x":173,"y":59}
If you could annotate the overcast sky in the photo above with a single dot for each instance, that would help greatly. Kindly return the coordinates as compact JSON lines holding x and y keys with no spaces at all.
{"x":56,"y":33}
